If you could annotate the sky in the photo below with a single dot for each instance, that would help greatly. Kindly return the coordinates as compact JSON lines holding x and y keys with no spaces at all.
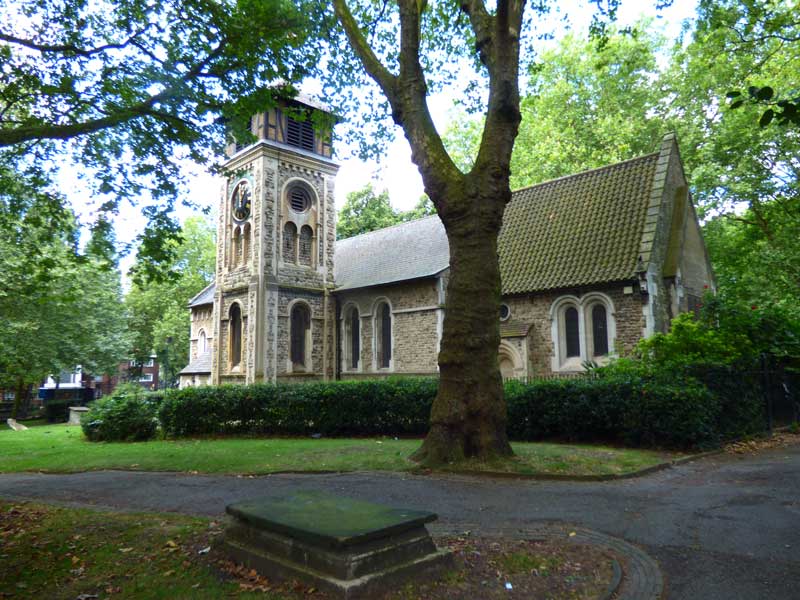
{"x":394,"y":171}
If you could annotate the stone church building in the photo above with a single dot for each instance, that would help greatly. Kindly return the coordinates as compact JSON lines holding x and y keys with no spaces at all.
{"x":590,"y":264}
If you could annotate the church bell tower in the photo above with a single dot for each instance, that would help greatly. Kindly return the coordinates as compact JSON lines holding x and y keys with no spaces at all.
{"x":273,"y":313}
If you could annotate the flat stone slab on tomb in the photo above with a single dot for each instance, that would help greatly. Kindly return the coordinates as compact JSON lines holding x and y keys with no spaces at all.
{"x":332,"y":521}
{"x":351,"y":548}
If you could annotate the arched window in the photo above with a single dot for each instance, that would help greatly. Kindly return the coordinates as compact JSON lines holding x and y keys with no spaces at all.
{"x":583,"y":329}
{"x":599,"y":330}
{"x":202,"y":343}
{"x":236,"y":246}
{"x":246,"y":244}
{"x":572,"y":332}
{"x":306,"y":245}
{"x":352,"y":338}
{"x":235,"y":332}
{"x":289,"y":243}
{"x":300,"y":327}
{"x":383,"y":337}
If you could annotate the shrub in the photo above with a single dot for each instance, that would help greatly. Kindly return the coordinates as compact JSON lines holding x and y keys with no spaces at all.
{"x":395,"y":406}
{"x":629,"y":409}
{"x":624,"y":408}
{"x":128,"y":414}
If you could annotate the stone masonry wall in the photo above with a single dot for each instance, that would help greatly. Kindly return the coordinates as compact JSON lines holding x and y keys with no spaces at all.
{"x":534,"y":310}
{"x":202,"y":319}
{"x":315,"y":301}
{"x":415,"y":335}
{"x":695,"y":266}
{"x":222,"y":347}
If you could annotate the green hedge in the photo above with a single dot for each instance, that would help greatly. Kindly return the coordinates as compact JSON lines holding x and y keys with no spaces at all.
{"x":378,"y":407}
{"x":672,"y":413}
{"x":630,"y":410}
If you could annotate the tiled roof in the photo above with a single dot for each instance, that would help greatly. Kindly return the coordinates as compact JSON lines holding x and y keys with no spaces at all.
{"x":576,"y":230}
{"x":200,"y":365}
{"x":398,"y":253}
{"x":514,"y":329}
{"x":206,"y":296}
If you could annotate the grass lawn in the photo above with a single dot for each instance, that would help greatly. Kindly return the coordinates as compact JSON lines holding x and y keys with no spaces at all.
{"x":62,"y":448}
{"x":56,"y":553}
{"x":67,"y":553}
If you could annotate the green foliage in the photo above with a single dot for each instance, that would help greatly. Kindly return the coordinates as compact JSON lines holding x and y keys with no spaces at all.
{"x":726,"y":335}
{"x":630,"y":408}
{"x":158,"y":315}
{"x":381,"y":407}
{"x":758,"y":23}
{"x":589,"y":105}
{"x":60,"y":307}
{"x":127,"y":415}
{"x":423,"y":208}
{"x":366,"y":211}
{"x":753,"y":268}
{"x":129,"y":90}
{"x":633,"y":409}
{"x":692,"y":342}
{"x":743,"y":175}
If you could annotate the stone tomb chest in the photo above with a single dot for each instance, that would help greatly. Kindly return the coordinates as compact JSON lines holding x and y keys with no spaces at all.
{"x":347,"y":547}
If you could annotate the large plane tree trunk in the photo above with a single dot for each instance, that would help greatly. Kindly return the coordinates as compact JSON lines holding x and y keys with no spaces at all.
{"x":468,"y":418}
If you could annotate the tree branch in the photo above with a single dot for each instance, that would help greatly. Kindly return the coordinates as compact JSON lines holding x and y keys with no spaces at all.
{"x":374,"y":67}
{"x":481,"y":22}
{"x":68,"y":48}
{"x":9,"y":137}
{"x":503,"y":115}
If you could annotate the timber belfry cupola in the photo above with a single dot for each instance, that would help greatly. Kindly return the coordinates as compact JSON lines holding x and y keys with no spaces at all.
{"x":300,"y":123}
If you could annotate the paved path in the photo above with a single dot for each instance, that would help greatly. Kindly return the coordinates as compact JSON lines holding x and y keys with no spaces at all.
{"x":725,"y":527}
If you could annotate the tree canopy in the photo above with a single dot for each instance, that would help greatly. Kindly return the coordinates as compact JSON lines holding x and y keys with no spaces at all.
{"x":365,"y":211}
{"x":158,"y":315}
{"x":60,"y":307}
{"x":129,"y":89}
{"x":591,"y":105}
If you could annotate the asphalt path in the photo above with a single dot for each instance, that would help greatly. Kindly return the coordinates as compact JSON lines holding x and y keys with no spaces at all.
{"x":724,"y":527}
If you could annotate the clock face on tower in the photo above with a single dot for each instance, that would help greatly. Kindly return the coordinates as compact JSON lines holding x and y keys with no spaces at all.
{"x":240,"y":201}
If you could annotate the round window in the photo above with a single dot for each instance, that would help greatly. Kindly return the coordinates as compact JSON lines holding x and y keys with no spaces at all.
{"x":299,"y":199}
{"x":505,"y":312}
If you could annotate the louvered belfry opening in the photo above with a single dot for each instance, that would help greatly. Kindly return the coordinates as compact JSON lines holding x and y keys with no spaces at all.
{"x":300,"y":324}
{"x":299,"y":199}
{"x":300,"y":134}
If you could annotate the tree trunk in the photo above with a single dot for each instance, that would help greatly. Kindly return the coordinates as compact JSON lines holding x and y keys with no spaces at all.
{"x":20,"y":409}
{"x":468,"y":417}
